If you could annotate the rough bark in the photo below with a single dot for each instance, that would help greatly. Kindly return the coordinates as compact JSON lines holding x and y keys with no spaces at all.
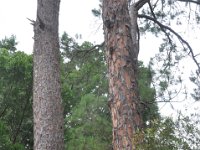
{"x":47,"y":107}
{"x":133,"y":12}
{"x":123,"y":91}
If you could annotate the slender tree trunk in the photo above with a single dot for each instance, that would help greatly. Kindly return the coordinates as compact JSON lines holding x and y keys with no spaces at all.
{"x":47,"y":107}
{"x":124,"y":102}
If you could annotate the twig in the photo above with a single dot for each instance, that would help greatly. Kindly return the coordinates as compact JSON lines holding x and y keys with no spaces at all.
{"x":190,"y":1}
{"x":32,"y":21}
{"x":176,"y":34}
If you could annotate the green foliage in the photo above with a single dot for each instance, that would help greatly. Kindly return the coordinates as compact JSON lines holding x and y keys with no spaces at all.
{"x":84,"y":82}
{"x":147,"y":93}
{"x":5,"y":142}
{"x":167,"y":78}
{"x":16,"y":95}
{"x":166,"y":134}
{"x":89,"y":125}
{"x":83,"y":71}
{"x":166,"y":20}
{"x":84,"y":94}
{"x":195,"y":78}
{"x":96,"y":12}
{"x":9,"y":43}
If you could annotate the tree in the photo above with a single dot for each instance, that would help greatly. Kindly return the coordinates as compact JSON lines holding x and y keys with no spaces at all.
{"x":84,"y":77}
{"x":150,"y":110}
{"x":167,"y":133}
{"x":89,"y":125}
{"x":160,"y":13}
{"x":159,"y":18}
{"x":47,"y":105}
{"x":84,"y":73}
{"x":87,"y":117}
{"x":15,"y":97}
{"x":123,"y":89}
{"x":9,"y":43}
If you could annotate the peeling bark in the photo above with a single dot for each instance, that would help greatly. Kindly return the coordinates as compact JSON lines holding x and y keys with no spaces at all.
{"x":124,"y":100}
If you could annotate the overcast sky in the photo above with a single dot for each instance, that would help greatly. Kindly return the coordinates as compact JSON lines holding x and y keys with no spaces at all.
{"x":75,"y":18}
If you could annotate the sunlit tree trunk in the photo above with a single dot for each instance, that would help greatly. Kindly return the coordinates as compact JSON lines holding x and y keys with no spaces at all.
{"x":124,"y":102}
{"x":47,"y":108}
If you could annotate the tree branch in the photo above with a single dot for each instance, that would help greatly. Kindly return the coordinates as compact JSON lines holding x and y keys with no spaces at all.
{"x":140,"y":3}
{"x":154,"y":16}
{"x":190,"y":1}
{"x":92,"y":48}
{"x":86,"y":51}
{"x":32,"y":21}
{"x":151,"y":9}
{"x":176,"y":34}
{"x":4,"y":110}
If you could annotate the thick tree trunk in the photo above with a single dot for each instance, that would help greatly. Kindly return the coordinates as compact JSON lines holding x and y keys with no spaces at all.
{"x":47,"y":107}
{"x":124,"y":102}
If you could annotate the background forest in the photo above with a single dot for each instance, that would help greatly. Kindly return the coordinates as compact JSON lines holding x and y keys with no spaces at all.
{"x":84,"y":93}
{"x":84,"y":85}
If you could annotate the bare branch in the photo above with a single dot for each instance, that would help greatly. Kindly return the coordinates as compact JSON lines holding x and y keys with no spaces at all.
{"x":190,"y":1}
{"x":86,"y":51}
{"x":92,"y":48}
{"x":154,"y":16}
{"x":197,"y":55}
{"x":151,"y":8}
{"x":176,"y":34}
{"x":140,"y":3}
{"x":32,"y":21}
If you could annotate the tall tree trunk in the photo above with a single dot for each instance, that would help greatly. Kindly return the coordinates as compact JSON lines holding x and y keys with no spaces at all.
{"x":124,"y":100}
{"x":47,"y":107}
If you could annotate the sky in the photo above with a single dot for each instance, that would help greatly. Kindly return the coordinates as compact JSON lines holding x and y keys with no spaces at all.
{"x":76,"y":18}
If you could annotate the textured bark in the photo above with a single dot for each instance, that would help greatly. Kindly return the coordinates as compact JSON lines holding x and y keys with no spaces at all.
{"x":124,"y":102}
{"x":47,"y":107}
{"x":133,"y":12}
